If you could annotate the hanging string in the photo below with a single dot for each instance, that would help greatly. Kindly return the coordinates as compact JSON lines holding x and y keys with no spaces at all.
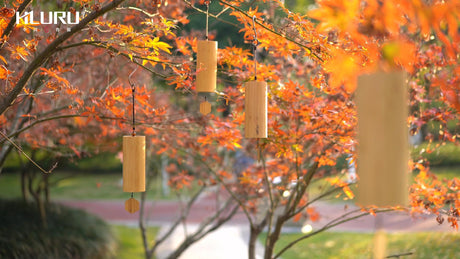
{"x":254,"y":45}
{"x":259,"y":151}
{"x":133,"y":89}
{"x":207,"y":19}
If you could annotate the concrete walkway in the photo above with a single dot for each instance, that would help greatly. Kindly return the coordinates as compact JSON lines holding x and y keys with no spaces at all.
{"x":230,"y":240}
{"x":227,"y":242}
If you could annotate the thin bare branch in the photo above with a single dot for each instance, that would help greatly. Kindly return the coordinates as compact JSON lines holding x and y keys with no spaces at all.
{"x":319,"y":197}
{"x":151,"y":15}
{"x":212,"y":15}
{"x":240,"y":203}
{"x":24,"y":153}
{"x":179,"y":220}
{"x":326,"y":227}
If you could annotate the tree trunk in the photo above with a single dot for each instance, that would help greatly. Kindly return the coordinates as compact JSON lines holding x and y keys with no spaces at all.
{"x":254,"y":233}
{"x":181,"y":249}
{"x":37,"y":199}
{"x":46,"y":189}
{"x":273,"y":238}
{"x":4,"y":151}
{"x":25,"y":194}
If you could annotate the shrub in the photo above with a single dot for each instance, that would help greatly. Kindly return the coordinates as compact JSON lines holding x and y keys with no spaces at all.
{"x":70,"y":233}
{"x":445,"y":155}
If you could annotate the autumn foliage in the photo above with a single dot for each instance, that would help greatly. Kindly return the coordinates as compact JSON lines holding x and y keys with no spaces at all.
{"x":70,"y":91}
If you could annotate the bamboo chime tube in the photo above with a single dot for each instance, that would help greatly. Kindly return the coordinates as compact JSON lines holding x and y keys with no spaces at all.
{"x":256,"y":109}
{"x":382,"y":104}
{"x":134,"y":163}
{"x":206,"y":66}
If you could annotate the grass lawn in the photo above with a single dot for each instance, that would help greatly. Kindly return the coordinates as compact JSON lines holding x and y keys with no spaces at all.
{"x":445,"y":155}
{"x":130,"y":241}
{"x":446,"y":172}
{"x":81,"y":186}
{"x":107,"y":186}
{"x":359,"y":245}
{"x":319,"y":186}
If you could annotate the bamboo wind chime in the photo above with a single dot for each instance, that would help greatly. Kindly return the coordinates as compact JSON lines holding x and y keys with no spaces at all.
{"x":133,"y":164}
{"x":255,"y":101}
{"x":206,"y":67}
{"x":383,"y":152}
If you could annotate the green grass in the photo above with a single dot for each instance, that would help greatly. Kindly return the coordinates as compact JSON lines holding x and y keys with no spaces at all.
{"x":359,"y":245}
{"x":103,"y":162}
{"x":448,"y":172}
{"x":130,"y":241}
{"x":445,"y":155}
{"x":81,"y":186}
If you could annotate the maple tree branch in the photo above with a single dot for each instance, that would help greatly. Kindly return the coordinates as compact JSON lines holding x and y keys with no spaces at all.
{"x":212,"y":15}
{"x":132,"y":59}
{"x":222,"y":220}
{"x":272,"y":206}
{"x":24,"y":153}
{"x":305,"y":183}
{"x":184,"y":215}
{"x":319,"y":197}
{"x":103,"y":45}
{"x":337,"y":221}
{"x":139,"y":10}
{"x":202,"y":231}
{"x":240,"y":203}
{"x":78,"y":44}
{"x":39,"y":121}
{"x":50,"y":50}
{"x":12,"y":22}
{"x":15,"y":134}
{"x":309,"y":49}
{"x":399,"y":255}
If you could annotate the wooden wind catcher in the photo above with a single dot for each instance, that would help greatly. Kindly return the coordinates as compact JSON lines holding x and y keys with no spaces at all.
{"x":206,"y":67}
{"x":133,"y":164}
{"x":383,"y":151}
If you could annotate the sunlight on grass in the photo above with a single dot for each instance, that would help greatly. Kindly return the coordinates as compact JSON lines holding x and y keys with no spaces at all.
{"x":81,"y":186}
{"x":130,"y":241}
{"x":359,"y":245}
{"x":446,"y":172}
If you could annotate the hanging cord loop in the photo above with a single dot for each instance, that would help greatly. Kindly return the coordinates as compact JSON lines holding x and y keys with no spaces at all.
{"x":207,"y":19}
{"x":133,"y":89}
{"x":254,"y":45}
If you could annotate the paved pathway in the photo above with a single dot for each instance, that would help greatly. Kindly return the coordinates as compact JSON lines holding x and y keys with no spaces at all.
{"x":227,"y":242}
{"x":230,"y":241}
{"x":163,"y":212}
